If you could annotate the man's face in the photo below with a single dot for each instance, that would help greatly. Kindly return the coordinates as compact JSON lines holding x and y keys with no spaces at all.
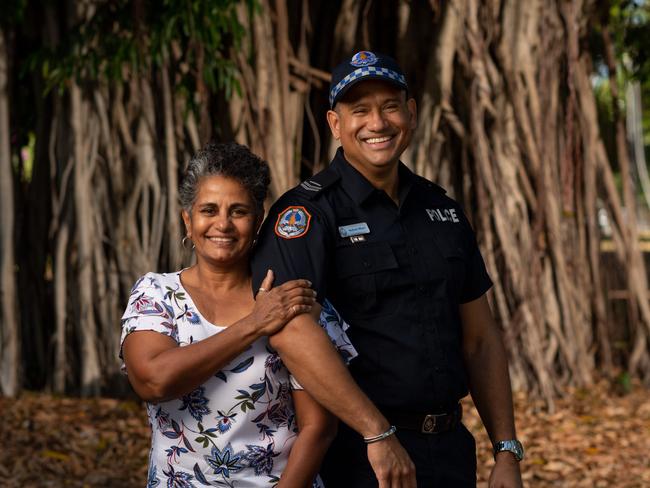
{"x":374,"y":123}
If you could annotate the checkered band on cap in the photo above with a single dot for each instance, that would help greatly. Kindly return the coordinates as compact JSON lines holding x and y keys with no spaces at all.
{"x":363,"y":72}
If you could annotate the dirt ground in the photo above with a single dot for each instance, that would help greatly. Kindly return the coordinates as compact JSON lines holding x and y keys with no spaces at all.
{"x":594,"y":438}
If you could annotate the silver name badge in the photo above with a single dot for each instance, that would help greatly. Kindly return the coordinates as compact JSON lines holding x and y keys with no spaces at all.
{"x":354,"y":229}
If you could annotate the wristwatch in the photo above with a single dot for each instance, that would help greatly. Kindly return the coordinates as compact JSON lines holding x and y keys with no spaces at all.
{"x":512,"y":445}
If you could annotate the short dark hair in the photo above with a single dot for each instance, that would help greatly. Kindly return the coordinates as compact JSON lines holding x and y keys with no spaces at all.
{"x":231,"y":160}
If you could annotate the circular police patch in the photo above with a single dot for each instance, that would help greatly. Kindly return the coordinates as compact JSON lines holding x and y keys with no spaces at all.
{"x":363,"y":58}
{"x":292,"y":222}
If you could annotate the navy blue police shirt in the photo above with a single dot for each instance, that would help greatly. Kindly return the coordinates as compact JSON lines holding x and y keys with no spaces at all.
{"x":396,"y":274}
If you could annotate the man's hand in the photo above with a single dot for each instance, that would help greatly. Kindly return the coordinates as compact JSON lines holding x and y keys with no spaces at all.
{"x":391,"y":464}
{"x":506,"y":473}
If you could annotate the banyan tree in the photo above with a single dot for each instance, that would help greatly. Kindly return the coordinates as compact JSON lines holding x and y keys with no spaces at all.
{"x":118,"y":95}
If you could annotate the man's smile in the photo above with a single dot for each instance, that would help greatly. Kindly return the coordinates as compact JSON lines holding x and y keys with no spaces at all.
{"x":377,"y":140}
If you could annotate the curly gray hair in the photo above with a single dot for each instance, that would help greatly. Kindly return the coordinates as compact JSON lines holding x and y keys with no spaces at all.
{"x":231,"y":160}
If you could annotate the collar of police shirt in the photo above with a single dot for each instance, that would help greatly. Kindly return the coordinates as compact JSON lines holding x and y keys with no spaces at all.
{"x":360,"y":189}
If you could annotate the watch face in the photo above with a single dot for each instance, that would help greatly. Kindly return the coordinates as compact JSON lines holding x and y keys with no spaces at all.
{"x":518,"y":450}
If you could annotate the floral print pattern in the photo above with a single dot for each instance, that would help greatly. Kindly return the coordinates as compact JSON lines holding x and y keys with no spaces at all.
{"x":235,"y":430}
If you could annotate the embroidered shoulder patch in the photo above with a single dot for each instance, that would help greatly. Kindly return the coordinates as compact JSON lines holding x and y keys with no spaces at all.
{"x":292,"y":222}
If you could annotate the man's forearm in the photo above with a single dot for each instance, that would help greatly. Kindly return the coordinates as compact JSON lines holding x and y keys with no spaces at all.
{"x":487,"y":369}
{"x":308,"y":353}
{"x":489,"y":383}
{"x":490,"y":387}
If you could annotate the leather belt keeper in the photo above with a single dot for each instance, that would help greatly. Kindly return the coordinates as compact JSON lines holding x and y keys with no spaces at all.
{"x":425,"y":423}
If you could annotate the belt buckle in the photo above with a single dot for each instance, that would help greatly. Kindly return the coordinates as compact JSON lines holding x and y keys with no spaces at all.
{"x":429,"y":424}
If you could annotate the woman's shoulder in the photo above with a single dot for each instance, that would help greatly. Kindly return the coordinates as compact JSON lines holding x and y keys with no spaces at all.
{"x":151,"y":307}
{"x":156,"y":289}
{"x":156,"y":281}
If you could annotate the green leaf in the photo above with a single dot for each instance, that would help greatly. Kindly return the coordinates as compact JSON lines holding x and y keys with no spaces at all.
{"x":624,"y":380}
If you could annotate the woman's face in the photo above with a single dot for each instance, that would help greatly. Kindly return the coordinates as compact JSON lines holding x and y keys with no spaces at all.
{"x":223,"y":221}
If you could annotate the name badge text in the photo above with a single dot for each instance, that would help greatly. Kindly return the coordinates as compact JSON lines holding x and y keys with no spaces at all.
{"x":354,"y":229}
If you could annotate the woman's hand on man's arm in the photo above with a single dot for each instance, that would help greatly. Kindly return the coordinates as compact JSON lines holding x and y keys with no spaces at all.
{"x":274,"y":307}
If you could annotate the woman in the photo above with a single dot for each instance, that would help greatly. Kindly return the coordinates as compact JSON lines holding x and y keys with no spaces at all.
{"x":221,"y":407}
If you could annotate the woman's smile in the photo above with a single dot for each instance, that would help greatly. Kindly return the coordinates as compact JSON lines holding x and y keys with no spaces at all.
{"x":221,"y":240}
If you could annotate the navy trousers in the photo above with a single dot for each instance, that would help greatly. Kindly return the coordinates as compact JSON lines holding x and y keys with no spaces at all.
{"x":445,"y":460}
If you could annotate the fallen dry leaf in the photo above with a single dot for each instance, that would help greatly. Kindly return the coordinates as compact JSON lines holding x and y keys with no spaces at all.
{"x":594,"y":438}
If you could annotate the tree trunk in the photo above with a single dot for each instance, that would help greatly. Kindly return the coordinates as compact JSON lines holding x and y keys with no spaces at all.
{"x":171,"y":155}
{"x":9,"y":330}
{"x":84,"y":134}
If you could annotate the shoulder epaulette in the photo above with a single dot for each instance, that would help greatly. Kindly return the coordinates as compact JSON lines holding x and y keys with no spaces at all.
{"x":317,"y":183}
{"x":423,"y":181}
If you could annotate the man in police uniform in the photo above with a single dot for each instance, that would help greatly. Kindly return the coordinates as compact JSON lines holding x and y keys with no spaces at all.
{"x":399,"y":261}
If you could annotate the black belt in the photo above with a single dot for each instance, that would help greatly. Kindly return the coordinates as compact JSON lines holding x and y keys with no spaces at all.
{"x":425,"y":423}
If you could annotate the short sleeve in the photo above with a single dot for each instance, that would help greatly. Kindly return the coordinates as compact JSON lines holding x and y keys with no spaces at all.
{"x":335,"y":326}
{"x":477,"y":280}
{"x":291,"y":251}
{"x":148,"y":309}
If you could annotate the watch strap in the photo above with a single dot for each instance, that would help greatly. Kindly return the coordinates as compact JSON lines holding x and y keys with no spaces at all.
{"x":510,"y":445}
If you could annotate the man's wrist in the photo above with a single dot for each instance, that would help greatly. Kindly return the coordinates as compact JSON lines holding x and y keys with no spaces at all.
{"x":506,"y":457}
{"x":374,"y":425}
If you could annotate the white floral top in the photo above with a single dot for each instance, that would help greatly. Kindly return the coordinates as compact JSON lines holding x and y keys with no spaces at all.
{"x":236,"y":429}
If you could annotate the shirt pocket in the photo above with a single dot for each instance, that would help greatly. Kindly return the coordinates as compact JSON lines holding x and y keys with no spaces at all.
{"x":454,"y":264}
{"x":363,"y":275}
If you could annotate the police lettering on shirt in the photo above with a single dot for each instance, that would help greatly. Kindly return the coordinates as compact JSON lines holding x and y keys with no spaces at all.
{"x":443,"y":215}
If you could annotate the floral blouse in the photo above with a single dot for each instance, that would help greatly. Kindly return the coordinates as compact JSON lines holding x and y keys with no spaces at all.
{"x":236,"y":429}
